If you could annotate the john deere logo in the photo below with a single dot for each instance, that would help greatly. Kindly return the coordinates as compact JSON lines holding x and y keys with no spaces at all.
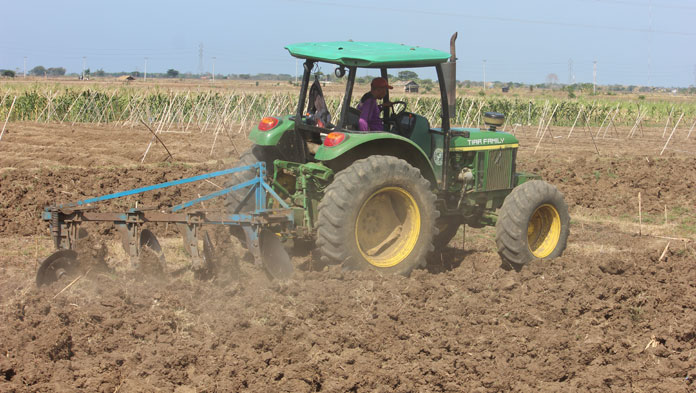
{"x":437,"y":157}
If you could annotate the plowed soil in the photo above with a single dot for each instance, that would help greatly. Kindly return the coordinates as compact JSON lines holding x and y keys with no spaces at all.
{"x":617,"y":312}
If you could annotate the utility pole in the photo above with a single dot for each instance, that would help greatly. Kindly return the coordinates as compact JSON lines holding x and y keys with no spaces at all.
{"x":571,"y":77}
{"x":25,"y":67}
{"x":484,"y":74}
{"x":594,"y":77}
{"x":84,"y":62}
{"x":214,"y":69}
{"x":145,"y":78}
{"x":200,"y":58}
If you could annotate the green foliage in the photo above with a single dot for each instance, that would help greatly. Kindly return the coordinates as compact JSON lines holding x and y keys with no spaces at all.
{"x":55,"y":71}
{"x":407,"y":75}
{"x":111,"y":104}
{"x":38,"y":71}
{"x":7,"y":73}
{"x":172,"y":73}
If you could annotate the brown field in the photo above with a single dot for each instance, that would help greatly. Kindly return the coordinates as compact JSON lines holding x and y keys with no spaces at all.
{"x":614,"y":313}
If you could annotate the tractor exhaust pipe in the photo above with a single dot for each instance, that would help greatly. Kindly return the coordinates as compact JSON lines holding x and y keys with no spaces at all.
{"x":447,"y":72}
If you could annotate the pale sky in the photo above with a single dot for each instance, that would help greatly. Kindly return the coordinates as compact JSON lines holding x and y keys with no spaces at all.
{"x":635,"y":42}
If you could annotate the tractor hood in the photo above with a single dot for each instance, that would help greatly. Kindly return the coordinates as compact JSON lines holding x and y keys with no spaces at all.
{"x":481,"y":140}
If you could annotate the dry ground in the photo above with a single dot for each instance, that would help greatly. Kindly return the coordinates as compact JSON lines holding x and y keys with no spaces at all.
{"x":615,"y":313}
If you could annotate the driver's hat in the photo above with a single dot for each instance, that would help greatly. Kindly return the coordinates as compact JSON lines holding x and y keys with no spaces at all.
{"x":380,"y":82}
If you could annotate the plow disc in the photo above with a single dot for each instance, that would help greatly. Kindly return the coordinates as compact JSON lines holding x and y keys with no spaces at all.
{"x":149,"y":241}
{"x":60,"y":264}
{"x":275,"y":259}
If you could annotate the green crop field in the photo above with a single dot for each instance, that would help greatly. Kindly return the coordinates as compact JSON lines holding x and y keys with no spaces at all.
{"x":188,"y":106}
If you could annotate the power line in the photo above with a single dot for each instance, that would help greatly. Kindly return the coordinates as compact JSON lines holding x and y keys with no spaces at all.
{"x":641,"y":4}
{"x":493,"y":18}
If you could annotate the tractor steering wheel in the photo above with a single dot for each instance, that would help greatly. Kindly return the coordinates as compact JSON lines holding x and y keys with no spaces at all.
{"x":394,"y":114}
{"x":401,"y":109}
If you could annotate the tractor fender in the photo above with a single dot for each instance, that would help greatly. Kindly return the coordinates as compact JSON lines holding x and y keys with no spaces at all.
{"x":272,"y":136}
{"x":361,"y":145}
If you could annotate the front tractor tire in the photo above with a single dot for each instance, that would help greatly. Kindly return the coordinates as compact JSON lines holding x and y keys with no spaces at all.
{"x":533,"y":224}
{"x":379,"y":213}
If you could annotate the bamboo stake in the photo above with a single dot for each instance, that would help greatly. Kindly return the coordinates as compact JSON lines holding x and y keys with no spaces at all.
{"x":611,"y":121}
{"x":467,"y":112}
{"x":3,"y":98}
{"x":668,"y":119}
{"x":154,"y":135}
{"x":7,"y":118}
{"x":107,"y":107}
{"x":549,"y":123}
{"x":247,"y":114}
{"x":599,"y":131}
{"x":664,"y":252}
{"x":507,"y":119}
{"x":217,"y":127}
{"x":638,"y":120}
{"x":582,"y":107}
{"x":82,"y":109}
{"x":691,"y":129}
{"x":541,"y":120}
{"x":70,"y":109}
{"x":177,"y":112}
{"x":670,"y":135}
{"x":48,"y":103}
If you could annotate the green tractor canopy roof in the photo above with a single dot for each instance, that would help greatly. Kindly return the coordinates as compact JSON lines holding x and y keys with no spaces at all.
{"x":368,"y":54}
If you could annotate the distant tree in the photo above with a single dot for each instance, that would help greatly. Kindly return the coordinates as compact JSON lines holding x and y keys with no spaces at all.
{"x":407,"y":75}
{"x":135,"y":74}
{"x":99,"y":72}
{"x":7,"y":73}
{"x":551,"y":80}
{"x":244,"y":76}
{"x":55,"y":71}
{"x":172,"y":73}
{"x":38,"y":71}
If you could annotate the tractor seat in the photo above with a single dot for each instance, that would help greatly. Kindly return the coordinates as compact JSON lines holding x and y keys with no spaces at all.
{"x":352,"y":119}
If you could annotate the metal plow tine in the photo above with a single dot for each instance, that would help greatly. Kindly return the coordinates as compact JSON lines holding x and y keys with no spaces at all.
{"x":274,"y":257}
{"x":210,"y":262}
{"x":60,"y":264}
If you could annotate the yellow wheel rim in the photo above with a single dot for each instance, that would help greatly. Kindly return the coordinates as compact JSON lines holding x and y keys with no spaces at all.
{"x":387,"y":227}
{"x":544,"y":231}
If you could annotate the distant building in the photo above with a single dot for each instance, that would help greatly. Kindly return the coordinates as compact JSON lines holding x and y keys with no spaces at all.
{"x":506,"y":89}
{"x":409,"y":86}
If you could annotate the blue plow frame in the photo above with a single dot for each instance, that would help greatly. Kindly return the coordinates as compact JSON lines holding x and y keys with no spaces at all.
{"x":66,"y":218}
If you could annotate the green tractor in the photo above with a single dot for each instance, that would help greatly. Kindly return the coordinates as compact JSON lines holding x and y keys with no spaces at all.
{"x":385,"y":200}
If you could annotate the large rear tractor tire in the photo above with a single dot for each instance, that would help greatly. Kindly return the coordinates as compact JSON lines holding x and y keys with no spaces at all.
{"x":379,"y":213}
{"x":533,"y":224}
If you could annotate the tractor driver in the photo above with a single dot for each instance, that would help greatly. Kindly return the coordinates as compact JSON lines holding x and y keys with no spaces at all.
{"x":368,"y":107}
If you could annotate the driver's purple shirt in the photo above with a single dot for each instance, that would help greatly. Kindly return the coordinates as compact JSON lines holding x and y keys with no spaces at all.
{"x":369,"y":115}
